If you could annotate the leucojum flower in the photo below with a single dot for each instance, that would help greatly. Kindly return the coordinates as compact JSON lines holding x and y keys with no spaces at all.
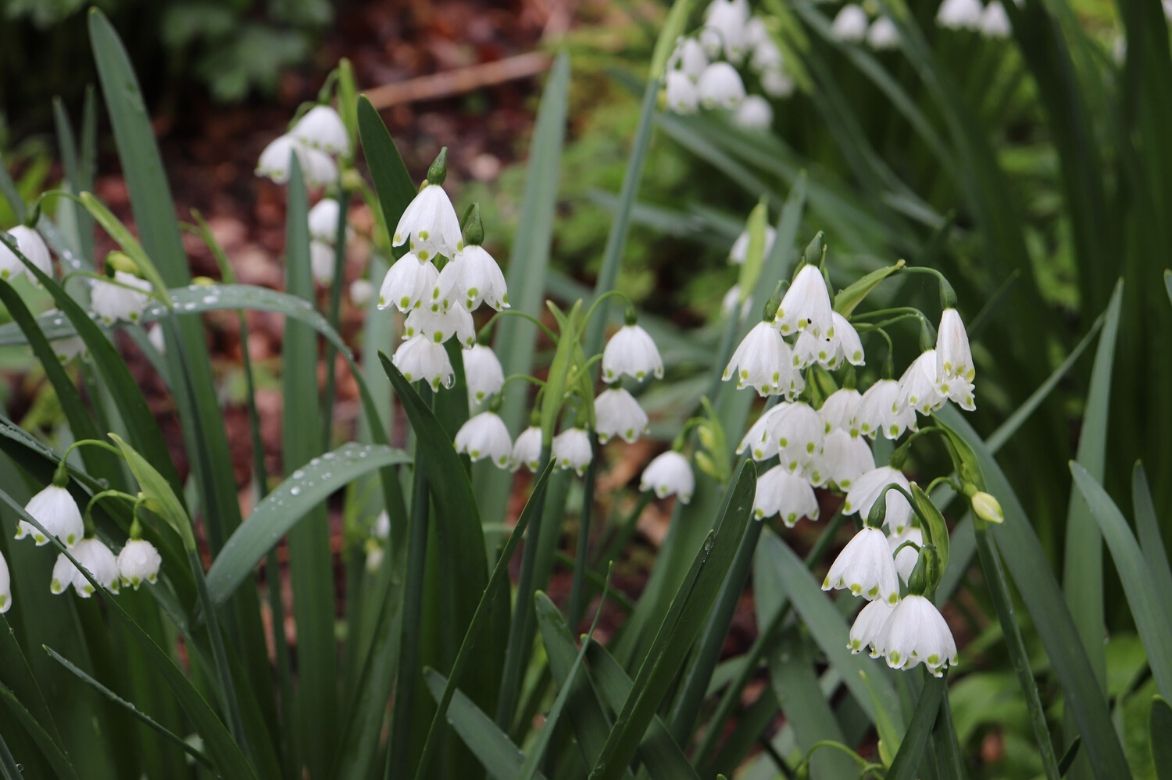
{"x":669,"y":474}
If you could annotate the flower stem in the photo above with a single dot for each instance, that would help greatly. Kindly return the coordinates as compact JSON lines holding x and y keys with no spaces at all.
{"x":999,"y":590}
{"x":334,"y":316}
{"x":580,"y":554}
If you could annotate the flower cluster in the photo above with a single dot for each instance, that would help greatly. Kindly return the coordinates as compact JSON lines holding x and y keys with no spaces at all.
{"x":707,"y":71}
{"x":991,"y":21}
{"x":318,"y":138}
{"x":852,"y":25}
{"x":60,"y":518}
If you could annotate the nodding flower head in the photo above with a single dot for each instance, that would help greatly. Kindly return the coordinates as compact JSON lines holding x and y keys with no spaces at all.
{"x":631,"y":352}
{"x":720,"y":86}
{"x":482,"y":373}
{"x":688,"y":59}
{"x":806,"y":305}
{"x":431,"y":224}
{"x":408,"y":284}
{"x":784,"y":494}
{"x":93,"y":556}
{"x":572,"y":450}
{"x":881,"y":411}
{"x":485,"y":436}
{"x":866,"y":491}
{"x":138,"y":562}
{"x":866,"y":568}
{"x":317,"y":167}
{"x":669,"y":474}
{"x":762,"y":361}
{"x":915,"y":634}
{"x":57,"y":512}
{"x":617,"y":413}
{"x":472,"y":278}
{"x":321,"y":128}
{"x":680,"y":93}
{"x":124,"y":298}
{"x":527,"y":449}
{"x":850,"y":24}
{"x":32,"y":246}
{"x":422,"y":359}
{"x":868,"y":627}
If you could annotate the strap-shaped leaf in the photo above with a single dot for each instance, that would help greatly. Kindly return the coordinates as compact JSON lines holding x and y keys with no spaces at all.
{"x":911,"y":750}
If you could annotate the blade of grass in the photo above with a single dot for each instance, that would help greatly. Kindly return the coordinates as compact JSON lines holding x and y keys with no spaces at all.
{"x":1147,"y":527}
{"x":915,"y":741}
{"x":49,"y":748}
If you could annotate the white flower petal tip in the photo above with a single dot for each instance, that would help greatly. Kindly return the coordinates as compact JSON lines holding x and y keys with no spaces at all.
{"x":431,"y":224}
{"x":617,"y":413}
{"x":441,"y":324}
{"x":527,"y":450}
{"x":32,"y":246}
{"x":729,"y":19}
{"x":918,"y":387}
{"x":866,"y":568}
{"x":5,"y":586}
{"x":407,"y":284}
{"x":844,"y":458}
{"x":865,"y":491}
{"x":720,"y":86}
{"x":916,"y":633}
{"x":422,"y":359}
{"x":806,"y":305}
{"x":955,"y":372}
{"x":840,"y":411}
{"x":669,"y":474}
{"x":572,"y":450}
{"x":317,"y":167}
{"x":485,"y":436}
{"x":138,"y":562}
{"x":680,"y":93}
{"x":754,"y":113}
{"x":472,"y":278}
{"x":883,"y":35}
{"x":631,"y":352}
{"x":867,"y":630}
{"x":784,"y":494}
{"x":960,"y":14}
{"x":323,"y":221}
{"x":798,"y":431}
{"x":123,"y":298}
{"x":55,"y":509}
{"x":995,"y":22}
{"x":845,"y":341}
{"x":97,"y":559}
{"x":688,"y":58}
{"x":881,"y":411}
{"x":850,"y":24}
{"x":763,"y":361}
{"x":483,"y":373}
{"x":321,"y":128}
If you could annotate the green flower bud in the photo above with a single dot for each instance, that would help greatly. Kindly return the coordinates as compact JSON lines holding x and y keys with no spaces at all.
{"x":438,"y":170}
{"x":986,"y":507}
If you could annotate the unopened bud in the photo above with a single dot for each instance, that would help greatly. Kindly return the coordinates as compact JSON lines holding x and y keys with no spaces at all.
{"x":438,"y":169}
{"x":773,"y":304}
{"x":878,"y":514}
{"x":813,"y":253}
{"x":473,"y":228}
{"x":986,"y":507}
{"x":120,"y":261}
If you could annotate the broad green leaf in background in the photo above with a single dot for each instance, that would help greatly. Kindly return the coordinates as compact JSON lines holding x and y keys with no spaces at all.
{"x":915,"y":741}
{"x":1160,"y":727}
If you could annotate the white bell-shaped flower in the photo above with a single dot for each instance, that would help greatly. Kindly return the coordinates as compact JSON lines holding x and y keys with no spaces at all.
{"x":439,"y":326}
{"x":382,"y":526}
{"x":757,"y":441}
{"x":728,"y":304}
{"x":5,"y":586}
{"x":527,"y":449}
{"x":850,"y":24}
{"x":322,"y":259}
{"x":917,"y":386}
{"x":916,"y":633}
{"x":788,"y":495}
{"x":844,"y":458}
{"x":740,"y":248}
{"x":960,"y":14}
{"x":422,"y":359}
{"x":124,"y":298}
{"x":472,"y":278}
{"x":375,"y":554}
{"x":57,"y":512}
{"x":408,"y":284}
{"x":323,"y":221}
{"x":754,"y":113}
{"x":798,"y":431}
{"x":669,"y":474}
{"x":906,"y":556}
{"x":720,"y":86}
{"x":880,"y":411}
{"x":810,"y":349}
{"x":485,"y":436}
{"x":571,"y":450}
{"x":762,"y":361}
{"x":617,"y":413}
{"x":865,"y":568}
{"x":631,"y":352}
{"x":482,"y":373}
{"x":776,"y":83}
{"x":806,"y":305}
{"x":846,"y":343}
{"x":730,"y":18}
{"x":866,"y":491}
{"x":361,"y":291}
{"x":955,"y":372}
{"x":68,"y":348}
{"x":317,"y":167}
{"x":883,"y":35}
{"x":766,"y":56}
{"x":321,"y":128}
{"x":431,"y":224}
{"x":841,"y":410}
{"x":688,"y":58}
{"x":96,"y":558}
{"x":680,"y":93}
{"x":711,"y":43}
{"x":995,"y":22}
{"x":138,"y":562}
{"x":32,"y":246}
{"x":868,"y":628}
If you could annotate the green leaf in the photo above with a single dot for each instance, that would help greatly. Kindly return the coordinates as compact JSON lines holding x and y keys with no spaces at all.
{"x":48,"y":746}
{"x":755,"y":254}
{"x":392,"y":182}
{"x":161,"y":498}
{"x":130,"y":245}
{"x":673,"y":28}
{"x":1147,"y":527}
{"x":680,"y":627}
{"x":911,"y":750}
{"x":848,"y":298}
{"x":1159,"y":727}
{"x":1149,"y":607}
{"x":282,"y":509}
{"x":492,"y":746}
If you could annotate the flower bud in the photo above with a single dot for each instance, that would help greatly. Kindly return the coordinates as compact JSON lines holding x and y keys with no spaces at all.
{"x":120,"y":261}
{"x":473,"y":227}
{"x":438,"y":170}
{"x":987,"y":507}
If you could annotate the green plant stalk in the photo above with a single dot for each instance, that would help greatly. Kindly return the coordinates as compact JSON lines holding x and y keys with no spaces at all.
{"x":625,"y":531}
{"x":948,"y":757}
{"x":1002,"y":602}
{"x":523,"y":616}
{"x":399,"y":752}
{"x":334,"y":314}
{"x":580,"y":554}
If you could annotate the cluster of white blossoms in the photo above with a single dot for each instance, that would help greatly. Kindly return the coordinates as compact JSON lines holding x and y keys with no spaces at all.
{"x":853,"y":25}
{"x":708,"y":70}
{"x":318,"y":138}
{"x":820,"y":440}
{"x":60,"y":518}
{"x":990,"y":21}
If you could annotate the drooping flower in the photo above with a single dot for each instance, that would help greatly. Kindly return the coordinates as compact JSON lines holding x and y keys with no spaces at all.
{"x":806,"y":304}
{"x":472,"y":278}
{"x":955,"y":372}
{"x":669,"y":474}
{"x":571,"y":450}
{"x":847,"y":345}
{"x":777,"y":83}
{"x":959,"y":14}
{"x":883,"y":34}
{"x":906,"y":556}
{"x":720,"y":86}
{"x":798,"y":430}
{"x":32,"y":246}
{"x":866,"y":490}
{"x":421,"y":358}
{"x":865,"y":568}
{"x":322,"y":259}
{"x":754,"y":113}
{"x":617,"y":413}
{"x":850,"y":24}
{"x":407,"y":284}
{"x":781,"y":493}
{"x":844,"y":458}
{"x":757,"y":441}
{"x":439,"y":326}
{"x":880,"y":411}
{"x":482,"y":373}
{"x":361,"y":291}
{"x":93,"y":556}
{"x":841,"y":410}
{"x":5,"y":586}
{"x":730,"y":18}
{"x":868,"y":627}
{"x":57,"y":512}
{"x":730,"y":301}
{"x":124,"y":298}
{"x":995,"y":22}
{"x":68,"y":348}
{"x":917,"y":633}
{"x":157,"y":338}
{"x":810,"y":348}
{"x":688,"y":58}
{"x":740,"y":248}
{"x":485,"y":436}
{"x":138,"y":562}
{"x":527,"y":449}
{"x":317,"y":167}
{"x":431,"y":224}
{"x":762,"y":361}
{"x":323,"y":221}
{"x":321,"y":128}
{"x":680,"y":93}
{"x":766,"y":55}
{"x":632,"y":352}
